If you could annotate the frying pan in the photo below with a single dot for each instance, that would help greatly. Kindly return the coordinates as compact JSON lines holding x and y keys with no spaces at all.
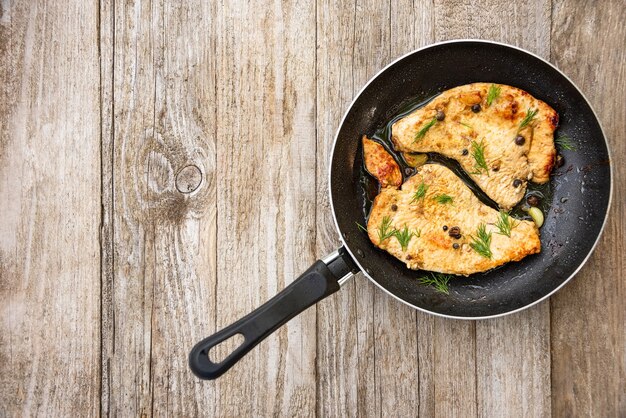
{"x":580,"y":200}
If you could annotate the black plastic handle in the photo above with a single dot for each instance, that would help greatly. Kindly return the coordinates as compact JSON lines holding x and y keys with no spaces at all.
{"x":319,"y":281}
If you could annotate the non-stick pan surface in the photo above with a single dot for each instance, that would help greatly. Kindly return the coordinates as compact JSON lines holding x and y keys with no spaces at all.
{"x":581,"y":187}
{"x":580,"y":200}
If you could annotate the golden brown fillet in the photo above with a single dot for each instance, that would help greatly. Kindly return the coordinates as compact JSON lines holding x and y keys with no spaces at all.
{"x":435,"y":198}
{"x":380,"y":164}
{"x":471,"y":127}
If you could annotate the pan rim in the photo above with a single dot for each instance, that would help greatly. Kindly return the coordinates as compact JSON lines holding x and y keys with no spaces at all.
{"x":471,"y":318}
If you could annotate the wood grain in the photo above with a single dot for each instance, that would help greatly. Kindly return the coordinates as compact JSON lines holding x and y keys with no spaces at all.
{"x":412,"y":26}
{"x":339,"y":355}
{"x":49,"y":209}
{"x":589,"y":315}
{"x":163,"y":171}
{"x":383,"y":344}
{"x":370,"y":378}
{"x":162,"y":222}
{"x":511,"y":355}
{"x":266,"y":196}
{"x":513,"y":364}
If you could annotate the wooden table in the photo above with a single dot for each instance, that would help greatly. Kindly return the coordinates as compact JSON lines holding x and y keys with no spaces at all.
{"x":163,"y":171}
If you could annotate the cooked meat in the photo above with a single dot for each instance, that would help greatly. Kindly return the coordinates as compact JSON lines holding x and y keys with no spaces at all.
{"x":433,"y":211}
{"x":501,"y":143}
{"x":380,"y":164}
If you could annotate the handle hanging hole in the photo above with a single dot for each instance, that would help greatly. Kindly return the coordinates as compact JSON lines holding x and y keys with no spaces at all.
{"x":218,"y":353}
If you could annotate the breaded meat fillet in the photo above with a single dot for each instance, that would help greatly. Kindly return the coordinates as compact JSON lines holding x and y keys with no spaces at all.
{"x":434,"y":222}
{"x":501,"y":135}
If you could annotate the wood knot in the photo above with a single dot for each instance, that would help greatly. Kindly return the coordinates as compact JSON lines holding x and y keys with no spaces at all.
{"x":188,"y":179}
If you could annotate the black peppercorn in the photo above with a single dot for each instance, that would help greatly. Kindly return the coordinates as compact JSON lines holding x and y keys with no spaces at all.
{"x":455,"y":232}
{"x":520,"y":140}
{"x":532,"y":200}
{"x":445,"y":227}
{"x":465,"y":151}
{"x":455,"y":246}
{"x":440,"y":115}
{"x":517,"y":183}
{"x":476,"y":108}
{"x":394,"y":207}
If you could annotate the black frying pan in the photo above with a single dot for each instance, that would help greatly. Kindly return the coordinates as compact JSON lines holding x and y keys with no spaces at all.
{"x":581,"y":194}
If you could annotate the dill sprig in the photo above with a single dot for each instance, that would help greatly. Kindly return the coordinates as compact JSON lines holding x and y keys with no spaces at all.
{"x":420,"y":192}
{"x":481,"y":243}
{"x":384,"y":229}
{"x":404,"y":236}
{"x":494,"y":92}
{"x":437,"y":280}
{"x":444,"y":199}
{"x":565,"y":143}
{"x":505,"y":224}
{"x":466,"y":125}
{"x":420,"y":134}
{"x":530,"y":115}
{"x":478,"y":152}
{"x":361,"y":227}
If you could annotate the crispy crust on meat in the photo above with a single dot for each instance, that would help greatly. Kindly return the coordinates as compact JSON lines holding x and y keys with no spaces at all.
{"x":380,"y":164}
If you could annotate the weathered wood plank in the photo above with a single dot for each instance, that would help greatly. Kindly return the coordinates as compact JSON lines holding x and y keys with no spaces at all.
{"x":265,"y":56}
{"x":512,"y":354}
{"x":339,"y":357}
{"x":426,"y":363}
{"x":355,"y":359}
{"x":454,"y":368}
{"x":106,"y":36}
{"x":524,"y":24}
{"x":588,"y":315}
{"x":50,"y":209}
{"x":161,"y":140}
{"x":412,"y":26}
{"x":379,"y":370}
{"x":376,"y":370}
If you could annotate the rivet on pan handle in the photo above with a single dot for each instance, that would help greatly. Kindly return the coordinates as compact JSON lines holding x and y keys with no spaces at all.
{"x":322,"y":279}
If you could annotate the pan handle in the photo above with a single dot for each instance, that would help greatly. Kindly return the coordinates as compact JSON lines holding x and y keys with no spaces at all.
{"x":322,"y":279}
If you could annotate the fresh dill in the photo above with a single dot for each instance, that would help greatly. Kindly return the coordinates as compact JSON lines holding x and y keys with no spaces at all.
{"x":565,"y":143}
{"x":384,"y":230}
{"x":530,"y":115}
{"x":420,"y":134}
{"x":481,"y":243}
{"x":478,"y":152}
{"x":505,"y":224}
{"x":420,"y":192}
{"x":361,"y":227}
{"x":466,"y":125}
{"x":444,"y":199}
{"x":404,"y":236}
{"x":494,"y":92}
{"x":437,"y":280}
